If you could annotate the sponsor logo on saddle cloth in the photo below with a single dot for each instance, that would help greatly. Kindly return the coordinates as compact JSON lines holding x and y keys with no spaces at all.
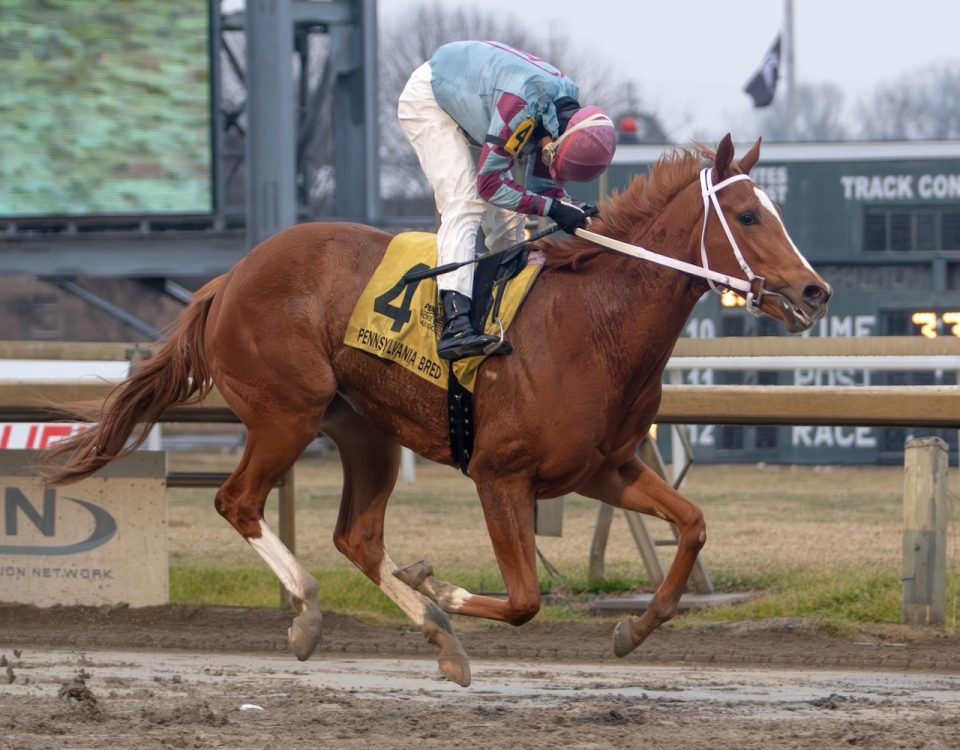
{"x":401,"y":322}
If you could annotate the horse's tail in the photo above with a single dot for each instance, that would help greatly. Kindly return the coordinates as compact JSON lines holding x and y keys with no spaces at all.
{"x":177,"y":374}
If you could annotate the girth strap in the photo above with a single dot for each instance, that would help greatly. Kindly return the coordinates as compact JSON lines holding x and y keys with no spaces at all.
{"x":489,"y":284}
{"x":460,"y":414}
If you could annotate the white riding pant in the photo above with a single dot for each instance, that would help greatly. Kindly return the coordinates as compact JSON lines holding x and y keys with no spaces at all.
{"x":450,"y":165}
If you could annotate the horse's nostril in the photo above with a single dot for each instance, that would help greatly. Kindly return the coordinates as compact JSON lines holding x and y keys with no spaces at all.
{"x":816,"y":294}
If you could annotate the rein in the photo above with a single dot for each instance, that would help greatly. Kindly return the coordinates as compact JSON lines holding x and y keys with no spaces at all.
{"x":752,"y":287}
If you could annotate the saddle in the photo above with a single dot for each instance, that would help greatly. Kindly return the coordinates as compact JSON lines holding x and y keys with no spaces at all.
{"x":398,"y":319}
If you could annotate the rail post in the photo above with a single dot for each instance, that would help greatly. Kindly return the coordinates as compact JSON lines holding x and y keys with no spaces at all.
{"x":925,"y":516}
{"x":598,"y":547}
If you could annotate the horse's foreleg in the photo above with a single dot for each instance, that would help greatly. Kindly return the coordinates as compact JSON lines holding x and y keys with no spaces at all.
{"x":370,"y":465}
{"x":268,"y":455}
{"x":636,"y":487}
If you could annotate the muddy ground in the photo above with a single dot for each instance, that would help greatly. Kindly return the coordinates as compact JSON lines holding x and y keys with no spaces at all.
{"x":186,"y":677}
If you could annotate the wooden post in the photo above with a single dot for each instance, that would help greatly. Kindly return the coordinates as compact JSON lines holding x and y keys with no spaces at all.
{"x":288,"y":528}
{"x":548,"y":517}
{"x":409,"y":465}
{"x":598,"y":547}
{"x":646,"y":545}
{"x":699,"y":578}
{"x":925,"y":516}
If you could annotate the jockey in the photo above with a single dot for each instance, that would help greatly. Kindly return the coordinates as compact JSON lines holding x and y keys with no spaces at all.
{"x":513,"y":106}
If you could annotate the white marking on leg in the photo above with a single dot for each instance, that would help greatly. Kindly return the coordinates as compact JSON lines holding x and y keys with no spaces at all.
{"x":454,"y":600}
{"x":448,"y":597}
{"x":768,"y":204}
{"x":414,"y":605}
{"x":291,"y":573}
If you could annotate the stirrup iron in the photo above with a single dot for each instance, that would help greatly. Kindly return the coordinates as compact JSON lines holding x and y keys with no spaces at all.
{"x":496,"y":346}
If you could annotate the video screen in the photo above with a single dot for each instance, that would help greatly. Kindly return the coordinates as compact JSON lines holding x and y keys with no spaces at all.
{"x":104,"y":107}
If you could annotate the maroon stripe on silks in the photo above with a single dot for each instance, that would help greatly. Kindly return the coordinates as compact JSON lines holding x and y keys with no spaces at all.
{"x":489,"y":182}
{"x":509,"y":106}
{"x":532,"y":59}
{"x":531,"y":205}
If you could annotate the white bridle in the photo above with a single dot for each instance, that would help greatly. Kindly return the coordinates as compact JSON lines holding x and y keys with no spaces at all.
{"x":709,"y":192}
{"x":752,"y":287}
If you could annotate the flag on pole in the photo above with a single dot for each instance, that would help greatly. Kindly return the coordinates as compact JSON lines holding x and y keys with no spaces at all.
{"x":764,"y":81}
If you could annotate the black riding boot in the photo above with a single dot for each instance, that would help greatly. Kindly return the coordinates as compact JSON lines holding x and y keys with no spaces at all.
{"x":459,"y":339}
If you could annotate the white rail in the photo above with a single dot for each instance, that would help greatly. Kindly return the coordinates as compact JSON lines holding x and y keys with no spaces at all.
{"x":892,"y":363}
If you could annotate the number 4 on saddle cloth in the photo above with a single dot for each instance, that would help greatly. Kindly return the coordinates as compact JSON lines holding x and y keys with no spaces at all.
{"x":401,"y":321}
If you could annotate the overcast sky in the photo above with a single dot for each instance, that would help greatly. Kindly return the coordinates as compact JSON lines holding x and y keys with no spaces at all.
{"x":691,"y":58}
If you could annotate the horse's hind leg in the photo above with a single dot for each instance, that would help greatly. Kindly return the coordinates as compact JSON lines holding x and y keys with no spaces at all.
{"x":508,"y":511}
{"x":636,"y":487}
{"x":370,"y":463}
{"x":270,"y":451}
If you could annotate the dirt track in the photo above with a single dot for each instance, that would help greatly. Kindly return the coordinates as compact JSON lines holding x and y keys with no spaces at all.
{"x":178,"y":676}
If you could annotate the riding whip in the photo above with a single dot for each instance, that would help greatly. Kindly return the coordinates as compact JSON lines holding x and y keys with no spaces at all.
{"x":447,"y":267}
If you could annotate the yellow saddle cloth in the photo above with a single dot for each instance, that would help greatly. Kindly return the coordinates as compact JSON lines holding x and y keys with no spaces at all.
{"x":402,"y":322}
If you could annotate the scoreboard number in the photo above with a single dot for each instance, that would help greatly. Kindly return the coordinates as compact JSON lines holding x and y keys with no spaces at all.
{"x":952,"y":319}
{"x":928,"y":322}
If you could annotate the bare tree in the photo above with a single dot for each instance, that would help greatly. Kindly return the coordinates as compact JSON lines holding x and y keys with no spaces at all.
{"x":924,"y":104}
{"x":818,"y":116}
{"x":599,"y":83}
{"x":408,"y":40}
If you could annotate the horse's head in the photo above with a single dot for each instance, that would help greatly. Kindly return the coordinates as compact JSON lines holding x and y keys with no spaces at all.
{"x":744,"y":235}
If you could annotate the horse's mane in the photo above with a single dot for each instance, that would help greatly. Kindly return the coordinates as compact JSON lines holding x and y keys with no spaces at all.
{"x":642,"y":200}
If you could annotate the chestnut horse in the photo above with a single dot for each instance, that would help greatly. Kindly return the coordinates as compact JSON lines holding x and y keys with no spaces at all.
{"x":564,"y":413}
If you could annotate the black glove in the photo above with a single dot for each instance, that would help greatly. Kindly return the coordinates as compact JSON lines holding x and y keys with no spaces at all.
{"x":569,"y":217}
{"x":589,"y":210}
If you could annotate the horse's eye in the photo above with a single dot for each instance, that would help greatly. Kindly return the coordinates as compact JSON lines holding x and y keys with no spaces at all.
{"x":747,"y":218}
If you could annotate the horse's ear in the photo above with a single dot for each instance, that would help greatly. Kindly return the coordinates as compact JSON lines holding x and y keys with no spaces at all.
{"x":721,"y":162}
{"x":749,"y":160}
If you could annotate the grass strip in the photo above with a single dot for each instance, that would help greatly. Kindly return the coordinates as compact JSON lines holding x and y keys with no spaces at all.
{"x":840,"y":601}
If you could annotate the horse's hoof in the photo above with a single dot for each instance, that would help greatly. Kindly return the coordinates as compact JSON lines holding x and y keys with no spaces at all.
{"x":414,"y":575}
{"x":304,"y":634}
{"x":623,"y":642}
{"x":456,"y":668}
